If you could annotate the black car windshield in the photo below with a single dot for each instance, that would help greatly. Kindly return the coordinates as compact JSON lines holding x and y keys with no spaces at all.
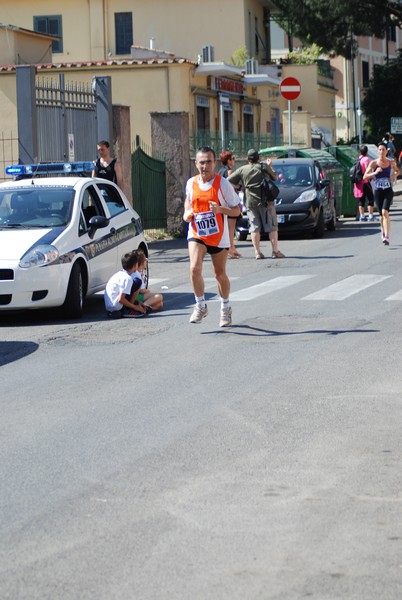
{"x":39,"y":207}
{"x":294,"y":175}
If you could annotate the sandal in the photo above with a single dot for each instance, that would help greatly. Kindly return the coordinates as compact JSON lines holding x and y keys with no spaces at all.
{"x":259,"y":256}
{"x":278,"y":254}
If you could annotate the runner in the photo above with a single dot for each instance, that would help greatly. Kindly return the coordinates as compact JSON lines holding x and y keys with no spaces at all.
{"x":210,"y":199}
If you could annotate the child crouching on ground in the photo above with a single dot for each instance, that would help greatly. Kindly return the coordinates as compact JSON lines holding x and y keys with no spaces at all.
{"x":122,"y":290}
{"x":155,"y":301}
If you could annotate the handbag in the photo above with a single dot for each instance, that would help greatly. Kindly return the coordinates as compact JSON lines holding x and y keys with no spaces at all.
{"x":269,"y":191}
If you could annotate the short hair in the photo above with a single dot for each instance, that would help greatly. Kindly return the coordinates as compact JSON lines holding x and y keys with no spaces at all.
{"x":104,"y":143}
{"x":363,"y":149}
{"x":225,"y":156}
{"x":141,"y":256}
{"x":386,"y":137}
{"x":205,"y":150}
{"x":129,"y":260}
{"x":253,"y":156}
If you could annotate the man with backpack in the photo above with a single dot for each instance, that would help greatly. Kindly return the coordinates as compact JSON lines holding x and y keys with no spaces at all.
{"x":362,"y":190}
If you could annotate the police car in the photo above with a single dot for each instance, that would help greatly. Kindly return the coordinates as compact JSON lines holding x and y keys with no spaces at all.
{"x":62,"y":236}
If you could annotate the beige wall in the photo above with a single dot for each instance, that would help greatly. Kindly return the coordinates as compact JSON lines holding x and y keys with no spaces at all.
{"x":19,"y":47}
{"x":181,"y":26}
{"x":316,"y":102}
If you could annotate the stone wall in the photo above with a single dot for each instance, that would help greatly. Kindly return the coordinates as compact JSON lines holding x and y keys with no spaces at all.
{"x":170,"y":137}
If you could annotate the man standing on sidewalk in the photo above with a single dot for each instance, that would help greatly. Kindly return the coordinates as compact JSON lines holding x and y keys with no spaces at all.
{"x":210,"y":200}
{"x":262,"y":219}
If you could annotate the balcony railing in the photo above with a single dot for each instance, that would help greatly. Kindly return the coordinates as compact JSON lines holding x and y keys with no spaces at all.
{"x":239,"y":143}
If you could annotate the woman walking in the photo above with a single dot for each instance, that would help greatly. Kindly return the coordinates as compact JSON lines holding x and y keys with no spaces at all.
{"x":383,"y":171}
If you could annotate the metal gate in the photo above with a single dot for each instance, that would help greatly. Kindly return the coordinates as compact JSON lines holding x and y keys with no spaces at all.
{"x":149,"y":189}
{"x":61,"y":121}
{"x":66,"y":113}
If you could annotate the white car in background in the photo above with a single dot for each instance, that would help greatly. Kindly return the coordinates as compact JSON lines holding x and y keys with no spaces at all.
{"x":61,"y":237}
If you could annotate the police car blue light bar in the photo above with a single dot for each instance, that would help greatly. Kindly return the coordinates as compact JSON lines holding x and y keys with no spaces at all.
{"x":49,"y":168}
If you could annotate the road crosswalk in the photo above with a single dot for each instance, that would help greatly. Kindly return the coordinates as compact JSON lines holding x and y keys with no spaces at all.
{"x":337,"y":291}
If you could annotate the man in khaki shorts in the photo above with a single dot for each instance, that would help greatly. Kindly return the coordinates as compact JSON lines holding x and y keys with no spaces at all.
{"x":261,"y":219}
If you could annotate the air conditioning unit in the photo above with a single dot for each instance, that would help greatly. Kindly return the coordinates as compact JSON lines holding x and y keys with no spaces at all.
{"x":208,"y":54}
{"x":251,"y":66}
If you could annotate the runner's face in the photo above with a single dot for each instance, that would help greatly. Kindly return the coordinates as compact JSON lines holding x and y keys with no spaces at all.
{"x":205,"y":164}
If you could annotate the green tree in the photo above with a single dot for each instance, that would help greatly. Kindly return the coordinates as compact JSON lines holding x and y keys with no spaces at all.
{"x":383,"y":98}
{"x":306,"y":55}
{"x":334,"y":24}
{"x":240,"y":56}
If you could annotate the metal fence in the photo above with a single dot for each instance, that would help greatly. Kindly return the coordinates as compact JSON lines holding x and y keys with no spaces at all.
{"x":239,"y":143}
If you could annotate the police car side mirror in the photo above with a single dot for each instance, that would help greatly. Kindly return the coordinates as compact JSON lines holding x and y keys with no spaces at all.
{"x":97,"y":222}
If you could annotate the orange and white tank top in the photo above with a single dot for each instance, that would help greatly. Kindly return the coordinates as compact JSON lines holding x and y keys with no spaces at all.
{"x":207,"y":226}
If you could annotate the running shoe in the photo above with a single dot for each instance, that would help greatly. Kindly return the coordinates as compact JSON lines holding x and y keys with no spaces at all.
{"x":385,"y":241}
{"x":226,"y":317}
{"x":199,"y":313}
{"x":371,"y":218}
{"x":362,"y":218}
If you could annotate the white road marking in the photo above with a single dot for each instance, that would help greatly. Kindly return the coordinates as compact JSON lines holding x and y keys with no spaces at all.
{"x":347,"y":287}
{"x":267,"y":287}
{"x":396,"y":296}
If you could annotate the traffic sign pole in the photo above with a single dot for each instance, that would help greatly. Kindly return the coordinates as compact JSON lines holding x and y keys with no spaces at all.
{"x":290,"y":90}
{"x":290,"y":123}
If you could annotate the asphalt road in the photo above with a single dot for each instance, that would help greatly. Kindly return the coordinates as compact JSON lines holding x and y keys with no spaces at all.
{"x":153,"y":459}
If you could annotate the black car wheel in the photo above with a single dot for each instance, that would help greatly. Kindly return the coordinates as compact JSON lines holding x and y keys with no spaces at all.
{"x":240,"y":236}
{"x":319,"y":229}
{"x":331,"y":224}
{"x":74,"y":302}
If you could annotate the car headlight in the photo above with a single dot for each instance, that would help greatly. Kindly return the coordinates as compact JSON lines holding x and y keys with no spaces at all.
{"x":38,"y":256}
{"x":307,"y":196}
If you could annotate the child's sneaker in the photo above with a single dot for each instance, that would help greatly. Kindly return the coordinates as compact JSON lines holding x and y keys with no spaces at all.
{"x":133,"y":314}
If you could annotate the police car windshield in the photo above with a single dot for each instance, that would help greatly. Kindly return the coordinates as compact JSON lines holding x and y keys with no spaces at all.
{"x":39,"y":207}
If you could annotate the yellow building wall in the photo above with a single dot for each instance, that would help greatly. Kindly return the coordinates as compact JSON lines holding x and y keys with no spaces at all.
{"x":8,"y":103}
{"x":180,"y":26}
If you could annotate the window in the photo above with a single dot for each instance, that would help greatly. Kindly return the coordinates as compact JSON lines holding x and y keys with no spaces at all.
{"x":257,"y":40}
{"x":365,"y":74}
{"x":123,"y":23}
{"x":90,"y":207}
{"x":112,"y":198}
{"x":392,"y":33}
{"x":53,"y":26}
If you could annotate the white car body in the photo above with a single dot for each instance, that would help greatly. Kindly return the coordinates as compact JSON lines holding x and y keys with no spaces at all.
{"x":73,"y":249}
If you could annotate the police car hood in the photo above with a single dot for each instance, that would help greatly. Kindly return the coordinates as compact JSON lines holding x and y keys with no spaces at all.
{"x":15,"y":242}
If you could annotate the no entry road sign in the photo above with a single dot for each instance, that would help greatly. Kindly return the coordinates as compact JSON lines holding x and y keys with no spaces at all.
{"x":290,"y":88}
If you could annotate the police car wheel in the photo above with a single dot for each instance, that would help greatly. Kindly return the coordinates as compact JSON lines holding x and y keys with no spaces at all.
{"x":74,"y":302}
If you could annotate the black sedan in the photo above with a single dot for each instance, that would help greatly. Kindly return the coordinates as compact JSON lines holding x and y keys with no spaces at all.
{"x":305,"y":202}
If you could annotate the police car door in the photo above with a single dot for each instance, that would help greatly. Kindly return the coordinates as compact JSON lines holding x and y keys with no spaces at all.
{"x":99,"y":244}
{"x":121,"y":217}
